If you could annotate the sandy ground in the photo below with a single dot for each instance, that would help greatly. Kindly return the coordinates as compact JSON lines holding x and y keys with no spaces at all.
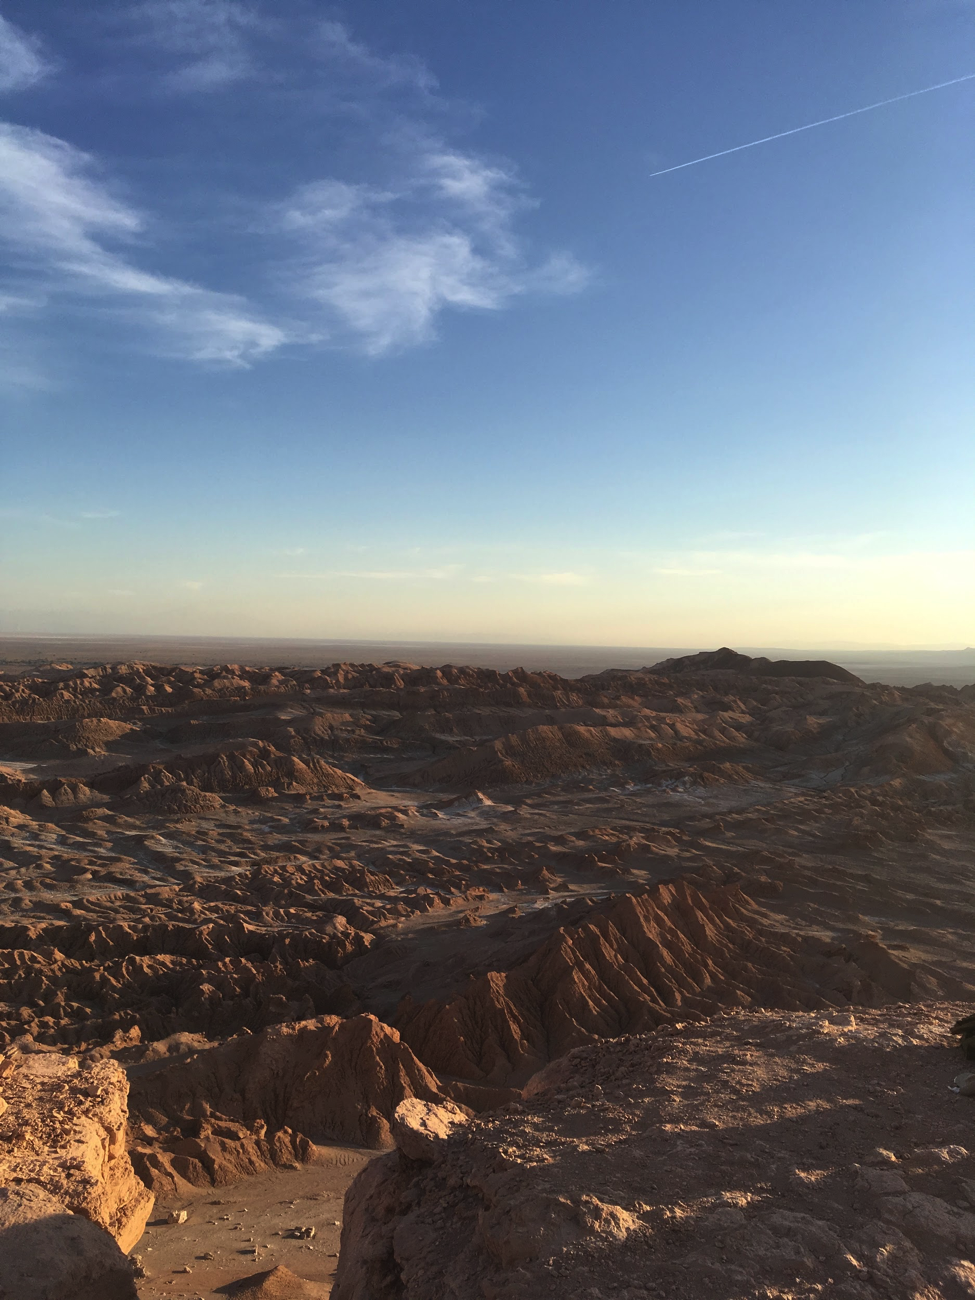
{"x":245,"y":1229}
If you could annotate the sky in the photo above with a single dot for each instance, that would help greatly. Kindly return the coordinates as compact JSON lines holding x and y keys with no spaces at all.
{"x":380,"y":321}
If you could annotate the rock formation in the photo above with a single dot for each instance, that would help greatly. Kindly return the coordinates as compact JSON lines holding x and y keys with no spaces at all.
{"x":672,"y":954}
{"x":758,"y":1154}
{"x":70,"y":1203}
{"x":217,"y":1113}
{"x":64,"y":1130}
{"x":48,"y":1253}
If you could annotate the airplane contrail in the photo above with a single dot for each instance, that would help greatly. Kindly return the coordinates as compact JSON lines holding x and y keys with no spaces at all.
{"x":823,"y":121}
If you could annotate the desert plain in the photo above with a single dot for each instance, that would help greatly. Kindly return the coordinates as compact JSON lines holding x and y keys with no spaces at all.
{"x":398,"y":982}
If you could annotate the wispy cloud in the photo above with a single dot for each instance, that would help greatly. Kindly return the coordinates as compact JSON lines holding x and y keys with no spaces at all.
{"x":831,"y":564}
{"x":566,"y":579}
{"x":775,"y":559}
{"x":384,"y":262}
{"x":440,"y":574}
{"x":59,"y":222}
{"x":687,"y":573}
{"x":37,"y":517}
{"x":370,"y":261}
{"x":191,"y":585}
{"x":438,"y":230}
{"x":337,"y":43}
{"x":729,"y":535}
{"x":22,"y":60}
{"x":66,"y":520}
{"x":209,"y":39}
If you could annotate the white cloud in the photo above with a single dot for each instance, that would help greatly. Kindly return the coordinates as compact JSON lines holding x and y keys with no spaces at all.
{"x":58,"y":223}
{"x":775,"y":559}
{"x":385,"y":261}
{"x":567,"y":579}
{"x":729,"y":535}
{"x":831,"y":565}
{"x":100,"y":514}
{"x":436,"y":228}
{"x":368,"y":264}
{"x":337,"y":44}
{"x":209,"y":36}
{"x":687,"y":573}
{"x":191,"y":585}
{"x":440,"y":574}
{"x":22,"y":63}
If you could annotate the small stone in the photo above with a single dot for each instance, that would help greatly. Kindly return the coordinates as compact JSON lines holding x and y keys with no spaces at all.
{"x":880,"y":1156}
{"x":177,"y":1216}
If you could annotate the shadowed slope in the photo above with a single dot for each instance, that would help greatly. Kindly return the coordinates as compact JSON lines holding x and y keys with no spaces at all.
{"x":672,"y":954}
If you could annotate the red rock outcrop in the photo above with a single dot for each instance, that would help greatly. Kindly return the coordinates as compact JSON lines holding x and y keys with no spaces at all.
{"x":673,"y":953}
{"x":233,"y":769}
{"x":328,"y":1078}
{"x":64,"y":1130}
{"x":535,"y":754}
{"x":279,"y":1284}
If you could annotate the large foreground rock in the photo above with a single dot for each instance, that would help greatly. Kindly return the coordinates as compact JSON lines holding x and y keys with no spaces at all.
{"x":48,"y":1253}
{"x":760,"y":1154}
{"x":64,"y":1131}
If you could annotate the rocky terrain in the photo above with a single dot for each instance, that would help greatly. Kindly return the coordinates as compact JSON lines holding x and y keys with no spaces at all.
{"x":773,"y":1155}
{"x":286,"y":901}
{"x":70,"y":1201}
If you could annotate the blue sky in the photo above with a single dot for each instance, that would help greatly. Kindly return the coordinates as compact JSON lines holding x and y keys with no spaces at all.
{"x":374,"y":322}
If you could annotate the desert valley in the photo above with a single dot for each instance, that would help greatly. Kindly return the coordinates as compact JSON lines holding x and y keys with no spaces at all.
{"x":487,"y":668}
{"x":631,"y":985}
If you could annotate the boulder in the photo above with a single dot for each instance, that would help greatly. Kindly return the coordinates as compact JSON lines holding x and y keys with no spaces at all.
{"x":420,"y":1128}
{"x":48,"y":1253}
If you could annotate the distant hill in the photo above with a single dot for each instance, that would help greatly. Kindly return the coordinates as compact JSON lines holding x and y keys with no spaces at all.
{"x":726,"y":660}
